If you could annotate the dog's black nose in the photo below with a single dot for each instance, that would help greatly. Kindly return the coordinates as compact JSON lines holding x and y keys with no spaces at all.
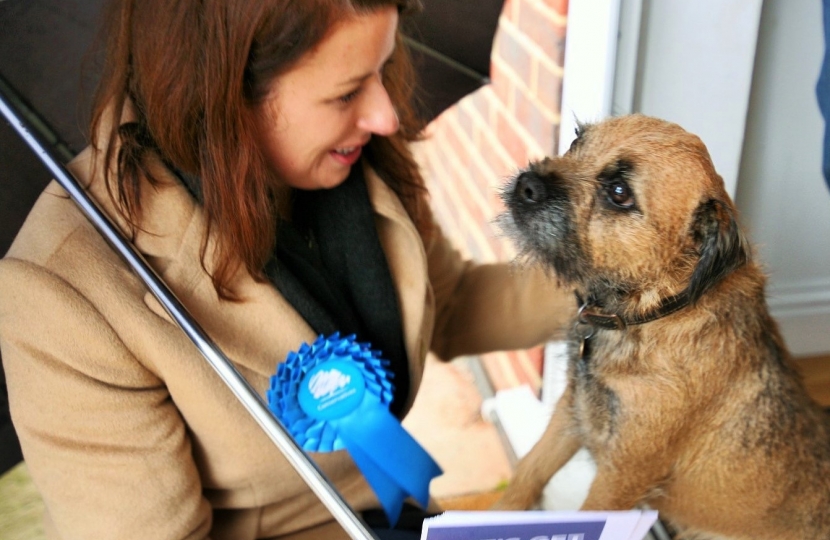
{"x":529,"y":188}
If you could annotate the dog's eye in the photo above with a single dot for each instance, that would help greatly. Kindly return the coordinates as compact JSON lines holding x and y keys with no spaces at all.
{"x":614,"y":187}
{"x":620,"y":194}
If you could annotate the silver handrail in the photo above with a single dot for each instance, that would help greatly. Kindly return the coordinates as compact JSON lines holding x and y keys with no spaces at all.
{"x":243,"y":391}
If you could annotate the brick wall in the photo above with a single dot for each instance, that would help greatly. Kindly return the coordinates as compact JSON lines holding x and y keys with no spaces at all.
{"x":474,"y":147}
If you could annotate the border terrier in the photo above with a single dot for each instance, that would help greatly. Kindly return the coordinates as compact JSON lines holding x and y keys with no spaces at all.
{"x":679,"y":382}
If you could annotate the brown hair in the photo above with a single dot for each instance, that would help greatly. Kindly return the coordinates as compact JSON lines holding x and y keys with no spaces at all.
{"x":193,"y":72}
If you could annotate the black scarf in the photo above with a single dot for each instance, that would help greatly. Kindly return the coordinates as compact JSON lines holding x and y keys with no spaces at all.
{"x":330,"y":266}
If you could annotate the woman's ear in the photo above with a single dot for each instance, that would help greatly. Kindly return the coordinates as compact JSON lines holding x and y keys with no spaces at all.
{"x":721,"y":245}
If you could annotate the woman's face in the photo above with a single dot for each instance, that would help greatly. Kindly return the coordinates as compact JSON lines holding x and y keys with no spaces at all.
{"x":319,"y":115}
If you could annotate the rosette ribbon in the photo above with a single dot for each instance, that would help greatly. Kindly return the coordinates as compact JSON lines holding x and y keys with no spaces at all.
{"x":334,"y":394}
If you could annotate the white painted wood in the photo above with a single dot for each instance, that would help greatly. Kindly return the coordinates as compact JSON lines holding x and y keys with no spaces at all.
{"x":627,"y":59}
{"x":695,"y":68}
{"x":782,"y":197}
{"x":590,"y":58}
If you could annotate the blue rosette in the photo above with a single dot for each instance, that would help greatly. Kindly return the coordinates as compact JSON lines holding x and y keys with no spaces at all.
{"x":334,"y":395}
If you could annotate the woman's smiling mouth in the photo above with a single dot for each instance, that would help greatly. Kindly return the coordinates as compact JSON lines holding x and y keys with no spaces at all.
{"x":347,"y":156}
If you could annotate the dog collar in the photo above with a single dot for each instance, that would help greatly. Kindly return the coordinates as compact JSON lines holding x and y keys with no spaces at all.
{"x":589,"y":315}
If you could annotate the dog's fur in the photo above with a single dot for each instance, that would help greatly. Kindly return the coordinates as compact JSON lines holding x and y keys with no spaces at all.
{"x":698,"y":414}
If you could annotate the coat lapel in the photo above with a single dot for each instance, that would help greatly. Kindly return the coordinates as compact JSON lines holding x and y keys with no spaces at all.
{"x":407,"y":261}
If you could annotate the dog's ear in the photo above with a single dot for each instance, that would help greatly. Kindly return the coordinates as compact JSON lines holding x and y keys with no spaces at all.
{"x":721,"y":245}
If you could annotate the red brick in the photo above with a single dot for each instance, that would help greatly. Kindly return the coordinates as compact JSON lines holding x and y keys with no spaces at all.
{"x":543,"y":31}
{"x":479,"y":172}
{"x":533,"y":121}
{"x":485,"y":177}
{"x":559,"y":6}
{"x":441,"y":210}
{"x":495,"y":194}
{"x":481,"y":103}
{"x":515,"y":56}
{"x":556,"y":129}
{"x":501,"y":84}
{"x":519,"y":370}
{"x":476,"y":215}
{"x":506,"y":251}
{"x":537,"y":358}
{"x":455,"y":146}
{"x":493,"y":157}
{"x":549,"y":88}
{"x":490,"y":155}
{"x":472,"y":183}
{"x":508,"y":9}
{"x":511,"y":141}
{"x":562,"y":42}
{"x":465,"y":121}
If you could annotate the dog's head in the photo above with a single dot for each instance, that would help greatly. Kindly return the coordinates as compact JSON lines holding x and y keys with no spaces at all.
{"x":633,"y":211}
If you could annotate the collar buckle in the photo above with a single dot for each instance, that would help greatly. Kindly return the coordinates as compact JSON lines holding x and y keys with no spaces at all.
{"x":601,"y":320}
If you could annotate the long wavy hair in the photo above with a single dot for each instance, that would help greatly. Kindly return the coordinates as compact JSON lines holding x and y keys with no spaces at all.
{"x":194,"y":72}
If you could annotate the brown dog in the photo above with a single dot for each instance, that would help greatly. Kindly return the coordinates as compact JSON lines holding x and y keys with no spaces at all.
{"x":680,"y":385}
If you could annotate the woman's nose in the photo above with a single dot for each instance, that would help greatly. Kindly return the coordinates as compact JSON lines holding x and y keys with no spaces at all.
{"x":378,"y":115}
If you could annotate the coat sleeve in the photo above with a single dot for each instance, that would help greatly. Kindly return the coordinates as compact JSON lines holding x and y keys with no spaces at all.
{"x":491,"y":307}
{"x":104,"y":442}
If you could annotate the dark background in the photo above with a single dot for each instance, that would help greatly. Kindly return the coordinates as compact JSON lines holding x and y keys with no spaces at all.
{"x":42,"y":48}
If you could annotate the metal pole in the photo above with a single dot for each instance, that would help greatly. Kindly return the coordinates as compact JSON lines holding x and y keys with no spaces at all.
{"x":255,"y":405}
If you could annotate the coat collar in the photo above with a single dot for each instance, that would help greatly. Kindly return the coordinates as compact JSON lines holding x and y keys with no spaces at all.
{"x":407,"y":259}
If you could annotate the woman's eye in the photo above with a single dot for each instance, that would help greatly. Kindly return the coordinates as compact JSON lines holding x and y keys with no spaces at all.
{"x":620,"y":194}
{"x":347,"y":98}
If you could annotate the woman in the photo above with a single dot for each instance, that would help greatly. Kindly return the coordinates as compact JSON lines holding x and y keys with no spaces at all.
{"x":256,"y":154}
